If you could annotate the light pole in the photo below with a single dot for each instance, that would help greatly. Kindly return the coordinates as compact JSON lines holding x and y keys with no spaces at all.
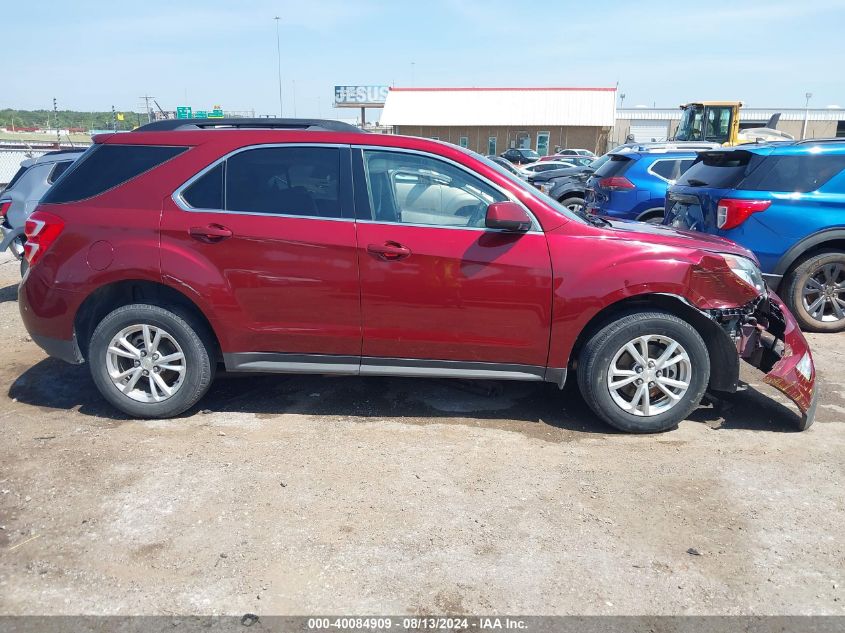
{"x":279,"y":55}
{"x":621,"y":100}
{"x":807,"y":96}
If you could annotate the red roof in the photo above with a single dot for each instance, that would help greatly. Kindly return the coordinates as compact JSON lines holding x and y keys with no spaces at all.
{"x":487,"y":89}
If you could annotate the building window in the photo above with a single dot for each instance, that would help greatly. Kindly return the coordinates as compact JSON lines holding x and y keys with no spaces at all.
{"x":840,"y":129}
{"x":543,"y":143}
{"x":464,"y":142}
{"x":491,"y":145}
{"x":523,"y":140}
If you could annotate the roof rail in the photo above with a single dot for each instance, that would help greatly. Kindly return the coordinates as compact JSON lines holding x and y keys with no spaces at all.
{"x":808,"y":141}
{"x":323,"y":125}
{"x":75,"y":150}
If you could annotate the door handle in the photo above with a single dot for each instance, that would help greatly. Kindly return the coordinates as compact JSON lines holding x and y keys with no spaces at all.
{"x":389,"y":251}
{"x":210,"y":233}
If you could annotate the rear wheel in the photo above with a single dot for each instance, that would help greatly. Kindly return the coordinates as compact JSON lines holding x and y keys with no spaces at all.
{"x":150,"y":362}
{"x":645,"y":372}
{"x":573,"y":203}
{"x":815,"y":292}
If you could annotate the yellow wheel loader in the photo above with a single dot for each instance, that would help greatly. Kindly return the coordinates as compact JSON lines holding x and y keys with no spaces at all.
{"x":718,"y":122}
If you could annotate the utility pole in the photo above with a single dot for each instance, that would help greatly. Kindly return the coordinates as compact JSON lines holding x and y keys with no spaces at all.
{"x":146,"y":99}
{"x":807,"y":96}
{"x":56,"y":120}
{"x":279,"y":55}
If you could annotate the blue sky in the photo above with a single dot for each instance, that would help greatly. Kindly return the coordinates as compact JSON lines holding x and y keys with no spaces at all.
{"x":92,"y":55}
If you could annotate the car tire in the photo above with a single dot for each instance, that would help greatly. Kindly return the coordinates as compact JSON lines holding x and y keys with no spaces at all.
{"x":807,"y":283}
{"x":605,"y":356}
{"x":573,"y":203}
{"x":180,"y":334}
{"x":654,"y":216}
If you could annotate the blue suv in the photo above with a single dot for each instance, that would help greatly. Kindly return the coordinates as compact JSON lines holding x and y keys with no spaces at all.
{"x":785,"y":202}
{"x":632,"y":185}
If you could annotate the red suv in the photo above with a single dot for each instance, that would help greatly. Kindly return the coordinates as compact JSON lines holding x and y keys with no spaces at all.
{"x":308,"y":246}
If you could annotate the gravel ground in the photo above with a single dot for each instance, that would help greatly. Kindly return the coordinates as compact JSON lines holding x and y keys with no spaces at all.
{"x":300,"y":495}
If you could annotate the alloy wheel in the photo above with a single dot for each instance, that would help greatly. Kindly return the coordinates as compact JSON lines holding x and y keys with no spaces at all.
{"x":649,"y":375}
{"x":823,"y":294}
{"x":145,"y":363}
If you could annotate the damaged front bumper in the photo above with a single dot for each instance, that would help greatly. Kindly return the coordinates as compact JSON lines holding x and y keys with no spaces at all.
{"x":768,"y":338}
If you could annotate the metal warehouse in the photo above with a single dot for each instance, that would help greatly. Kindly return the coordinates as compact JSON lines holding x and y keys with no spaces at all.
{"x":491,"y":120}
{"x":658,"y":124}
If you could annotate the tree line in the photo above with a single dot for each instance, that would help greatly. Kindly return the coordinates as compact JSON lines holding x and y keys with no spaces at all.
{"x":10,"y":118}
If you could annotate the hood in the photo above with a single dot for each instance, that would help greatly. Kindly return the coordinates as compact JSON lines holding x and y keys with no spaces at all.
{"x":551,"y":174}
{"x":661,"y":234}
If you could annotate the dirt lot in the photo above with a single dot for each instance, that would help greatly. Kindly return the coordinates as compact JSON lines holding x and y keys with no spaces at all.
{"x":301,"y":495}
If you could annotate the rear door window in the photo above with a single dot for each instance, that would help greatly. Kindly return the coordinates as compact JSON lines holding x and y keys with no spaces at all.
{"x":207,"y":191}
{"x":671,"y":169}
{"x":302,"y":181}
{"x":795,"y":174}
{"x":58,"y":170}
{"x":105,"y":167}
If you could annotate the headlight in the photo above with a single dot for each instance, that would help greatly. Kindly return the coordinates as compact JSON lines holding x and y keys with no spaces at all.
{"x":805,"y":366}
{"x":746,"y":270}
{"x":546,"y":187}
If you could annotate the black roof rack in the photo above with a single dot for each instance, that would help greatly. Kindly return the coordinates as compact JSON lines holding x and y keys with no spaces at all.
{"x":318,"y":125}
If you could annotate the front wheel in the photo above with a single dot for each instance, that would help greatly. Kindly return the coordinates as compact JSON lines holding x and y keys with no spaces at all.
{"x":150,"y":362}
{"x":645,"y":372}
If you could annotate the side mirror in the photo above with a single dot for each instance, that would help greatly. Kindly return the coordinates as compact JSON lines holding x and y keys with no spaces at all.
{"x":507,"y":216}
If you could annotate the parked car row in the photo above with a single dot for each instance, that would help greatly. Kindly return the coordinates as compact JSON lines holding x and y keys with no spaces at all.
{"x":785,"y":202}
{"x":312,"y":247}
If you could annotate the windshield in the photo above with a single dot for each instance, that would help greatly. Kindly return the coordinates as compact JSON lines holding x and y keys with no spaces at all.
{"x":551,"y":202}
{"x":601,"y":160}
{"x":530,"y":153}
{"x":689,"y":129}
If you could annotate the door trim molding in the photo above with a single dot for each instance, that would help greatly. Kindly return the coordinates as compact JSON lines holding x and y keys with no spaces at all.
{"x":283,"y":363}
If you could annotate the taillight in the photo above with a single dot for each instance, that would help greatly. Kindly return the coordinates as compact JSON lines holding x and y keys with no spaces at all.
{"x":4,"y":208}
{"x":731,"y":212}
{"x":615,"y":183}
{"x":41,"y":231}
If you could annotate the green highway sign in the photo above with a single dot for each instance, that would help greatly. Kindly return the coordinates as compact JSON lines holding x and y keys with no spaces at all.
{"x":183,"y":112}
{"x":200,"y":114}
{"x":216,"y":113}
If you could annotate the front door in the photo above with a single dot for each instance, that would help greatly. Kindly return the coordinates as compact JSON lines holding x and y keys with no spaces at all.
{"x":276,"y":252}
{"x":437,"y":285}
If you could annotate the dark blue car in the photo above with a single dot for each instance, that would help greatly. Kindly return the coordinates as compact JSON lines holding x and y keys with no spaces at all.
{"x":785,"y":202}
{"x":632,"y":185}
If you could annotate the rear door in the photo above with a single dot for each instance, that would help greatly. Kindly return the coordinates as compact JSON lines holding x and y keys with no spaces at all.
{"x":435,"y":283}
{"x":268,"y":235}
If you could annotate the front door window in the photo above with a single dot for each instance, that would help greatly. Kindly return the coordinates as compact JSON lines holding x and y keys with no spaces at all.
{"x":414,"y":189}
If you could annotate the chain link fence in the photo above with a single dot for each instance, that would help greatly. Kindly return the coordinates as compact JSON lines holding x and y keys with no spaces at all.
{"x":11,"y":156}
